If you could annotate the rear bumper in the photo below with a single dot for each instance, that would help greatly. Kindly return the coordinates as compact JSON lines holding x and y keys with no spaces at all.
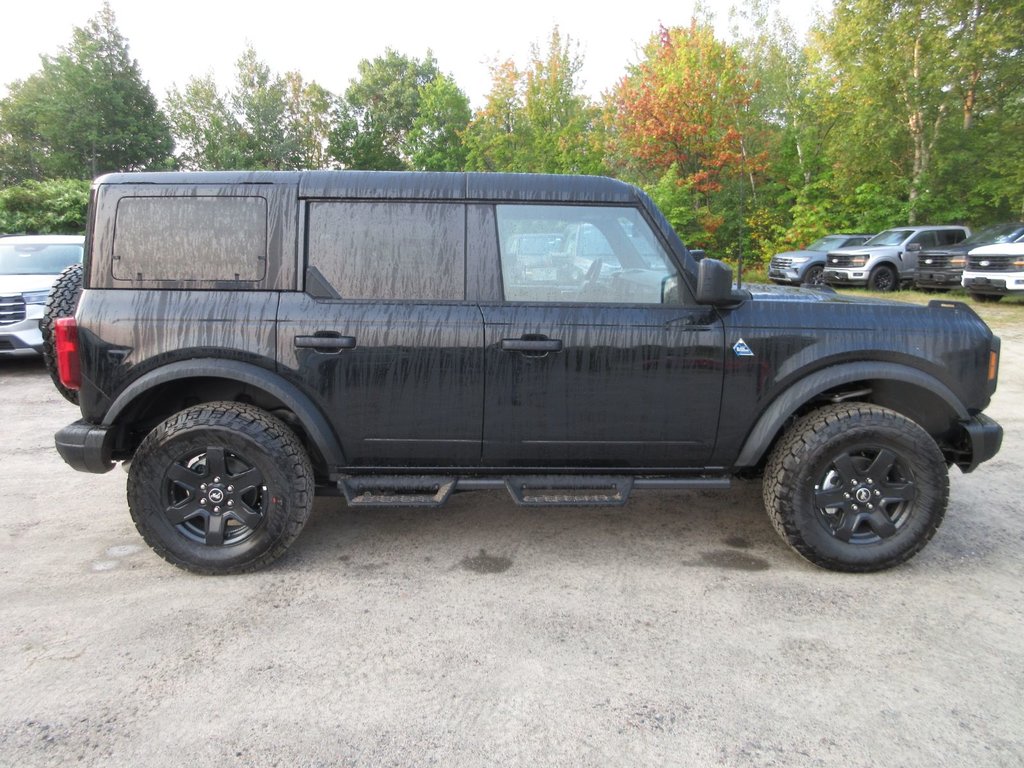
{"x":86,"y":447}
{"x":984,"y":438}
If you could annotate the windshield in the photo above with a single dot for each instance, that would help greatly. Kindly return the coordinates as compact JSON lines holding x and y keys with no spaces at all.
{"x":890,"y":237}
{"x":997,"y":233}
{"x":38,"y":259}
{"x":827,"y":243}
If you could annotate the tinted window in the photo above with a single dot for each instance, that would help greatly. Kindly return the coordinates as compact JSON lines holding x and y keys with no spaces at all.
{"x":924,"y":239}
{"x":590,"y":254}
{"x":391,"y":250}
{"x":950,"y":236}
{"x":190,"y":238}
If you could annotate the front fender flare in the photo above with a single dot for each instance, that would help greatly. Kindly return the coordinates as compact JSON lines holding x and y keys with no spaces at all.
{"x":316,"y":426}
{"x":809,"y":387}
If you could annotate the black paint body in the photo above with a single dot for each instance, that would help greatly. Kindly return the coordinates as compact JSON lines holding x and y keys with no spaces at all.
{"x":469,"y":381}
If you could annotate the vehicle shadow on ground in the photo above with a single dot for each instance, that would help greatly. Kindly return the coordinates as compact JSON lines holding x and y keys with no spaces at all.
{"x":486,"y":532}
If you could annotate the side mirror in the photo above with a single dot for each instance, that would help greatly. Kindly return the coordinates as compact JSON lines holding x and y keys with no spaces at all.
{"x":697,"y":253}
{"x":714,"y":283}
{"x":912,"y":247}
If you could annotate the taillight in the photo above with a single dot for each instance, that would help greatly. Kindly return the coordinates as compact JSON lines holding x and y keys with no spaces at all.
{"x":68,"y":368}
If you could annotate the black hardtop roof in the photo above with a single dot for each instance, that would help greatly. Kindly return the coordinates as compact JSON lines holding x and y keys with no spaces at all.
{"x":412,"y":185}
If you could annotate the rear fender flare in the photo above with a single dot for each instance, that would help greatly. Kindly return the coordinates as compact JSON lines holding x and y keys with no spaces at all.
{"x":316,"y":426}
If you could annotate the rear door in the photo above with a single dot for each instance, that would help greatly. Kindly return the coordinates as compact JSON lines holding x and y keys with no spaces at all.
{"x":598,"y":364}
{"x":383,"y":334}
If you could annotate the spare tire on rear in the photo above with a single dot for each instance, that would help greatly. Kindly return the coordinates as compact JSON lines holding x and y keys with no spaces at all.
{"x":62,"y":302}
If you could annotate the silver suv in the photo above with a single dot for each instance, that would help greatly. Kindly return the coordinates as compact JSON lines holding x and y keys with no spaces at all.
{"x":889,"y":258}
{"x":28,"y":266}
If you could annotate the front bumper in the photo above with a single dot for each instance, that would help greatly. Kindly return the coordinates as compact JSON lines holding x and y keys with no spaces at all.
{"x":984,"y":438}
{"x":938,"y":278}
{"x":995,"y":283}
{"x":846,"y":276}
{"x":22,"y":337}
{"x":86,"y":447}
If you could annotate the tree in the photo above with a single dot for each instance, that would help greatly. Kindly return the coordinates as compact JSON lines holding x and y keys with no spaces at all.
{"x":266,"y":122}
{"x":536,"y":120}
{"x":379,"y":110}
{"x":435,"y":143}
{"x":86,"y":112}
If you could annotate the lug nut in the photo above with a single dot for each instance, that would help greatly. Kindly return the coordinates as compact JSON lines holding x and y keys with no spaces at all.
{"x":855,"y":507}
{"x":871,"y":506}
{"x":231,"y":488}
{"x":216,"y":479}
{"x":878,"y":493}
{"x":202,"y":502}
{"x":231,"y":503}
{"x":202,"y":486}
{"x":846,"y":495}
{"x":216,"y":509}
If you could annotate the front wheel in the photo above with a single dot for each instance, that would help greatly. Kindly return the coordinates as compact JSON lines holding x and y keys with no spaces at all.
{"x":986,"y":297}
{"x":815,"y":275}
{"x":220,"y":488}
{"x":856,"y":487}
{"x":883,"y":279}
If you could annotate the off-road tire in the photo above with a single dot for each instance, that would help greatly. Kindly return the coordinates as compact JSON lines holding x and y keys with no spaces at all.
{"x":856,"y":487}
{"x":62,"y":302}
{"x":182,"y":488}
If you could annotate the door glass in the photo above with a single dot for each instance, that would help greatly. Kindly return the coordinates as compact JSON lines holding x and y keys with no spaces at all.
{"x":580,"y":254}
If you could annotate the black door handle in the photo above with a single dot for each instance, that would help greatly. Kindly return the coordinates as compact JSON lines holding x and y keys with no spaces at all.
{"x":326,"y":343}
{"x":532,"y":345}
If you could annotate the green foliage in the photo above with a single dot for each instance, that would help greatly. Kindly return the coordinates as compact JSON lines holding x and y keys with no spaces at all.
{"x":536,"y":120}
{"x":44,"y":207}
{"x":266,"y":121}
{"x":86,"y":112}
{"x":434,"y":142}
{"x":374,"y":121}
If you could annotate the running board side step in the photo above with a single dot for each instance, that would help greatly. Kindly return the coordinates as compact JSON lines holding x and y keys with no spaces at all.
{"x":525,"y":490}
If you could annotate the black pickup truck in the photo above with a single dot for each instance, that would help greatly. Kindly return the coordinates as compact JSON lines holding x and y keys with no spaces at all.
{"x":248,"y":340}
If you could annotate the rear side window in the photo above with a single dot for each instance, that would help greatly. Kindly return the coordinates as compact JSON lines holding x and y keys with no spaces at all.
{"x":951,"y":236}
{"x":390,"y":250}
{"x":190,"y":239}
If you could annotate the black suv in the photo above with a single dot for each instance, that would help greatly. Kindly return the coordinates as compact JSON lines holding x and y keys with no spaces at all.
{"x":942,"y":268}
{"x":246,"y":340}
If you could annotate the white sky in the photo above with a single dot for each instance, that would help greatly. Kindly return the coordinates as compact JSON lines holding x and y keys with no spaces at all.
{"x":174,"y":41}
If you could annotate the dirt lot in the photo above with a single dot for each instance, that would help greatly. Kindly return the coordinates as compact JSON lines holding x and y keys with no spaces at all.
{"x":676,"y":631}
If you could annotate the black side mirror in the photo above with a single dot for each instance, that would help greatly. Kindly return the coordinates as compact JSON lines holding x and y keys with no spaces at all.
{"x":912,"y":247}
{"x":697,"y":253}
{"x":714,"y":283}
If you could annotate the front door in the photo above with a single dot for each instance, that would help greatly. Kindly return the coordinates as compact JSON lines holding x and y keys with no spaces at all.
{"x":594,"y":359}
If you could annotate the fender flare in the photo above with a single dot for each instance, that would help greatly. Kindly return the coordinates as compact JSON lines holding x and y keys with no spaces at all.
{"x":804,"y":390}
{"x":312,"y":419}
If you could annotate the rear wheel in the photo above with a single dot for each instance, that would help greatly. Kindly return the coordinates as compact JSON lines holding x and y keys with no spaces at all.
{"x":62,"y":302}
{"x":856,"y":487}
{"x":220,"y":488}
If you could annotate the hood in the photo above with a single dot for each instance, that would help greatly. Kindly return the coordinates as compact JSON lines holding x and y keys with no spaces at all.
{"x":798,"y":254}
{"x":819,"y":295}
{"x":25,"y":283}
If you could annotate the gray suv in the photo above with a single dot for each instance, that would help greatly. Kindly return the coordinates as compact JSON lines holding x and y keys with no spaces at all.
{"x":28,"y":266}
{"x":807,"y":266}
{"x":888,"y":259}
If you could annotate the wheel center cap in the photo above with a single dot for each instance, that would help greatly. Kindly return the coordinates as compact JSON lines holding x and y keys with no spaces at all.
{"x":216,"y":495}
{"x":863,"y":495}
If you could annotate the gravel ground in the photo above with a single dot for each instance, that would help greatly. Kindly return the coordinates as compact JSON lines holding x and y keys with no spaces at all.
{"x":678,"y":630}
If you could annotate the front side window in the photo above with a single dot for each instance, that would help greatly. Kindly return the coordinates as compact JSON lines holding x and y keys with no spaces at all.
{"x":581,"y":254}
{"x":390,"y":250}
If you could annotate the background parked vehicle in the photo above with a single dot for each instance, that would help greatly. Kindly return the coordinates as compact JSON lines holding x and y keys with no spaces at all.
{"x":807,"y":266}
{"x":28,"y":266}
{"x":942,"y":268}
{"x":994,"y":271}
{"x":889,"y":259}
